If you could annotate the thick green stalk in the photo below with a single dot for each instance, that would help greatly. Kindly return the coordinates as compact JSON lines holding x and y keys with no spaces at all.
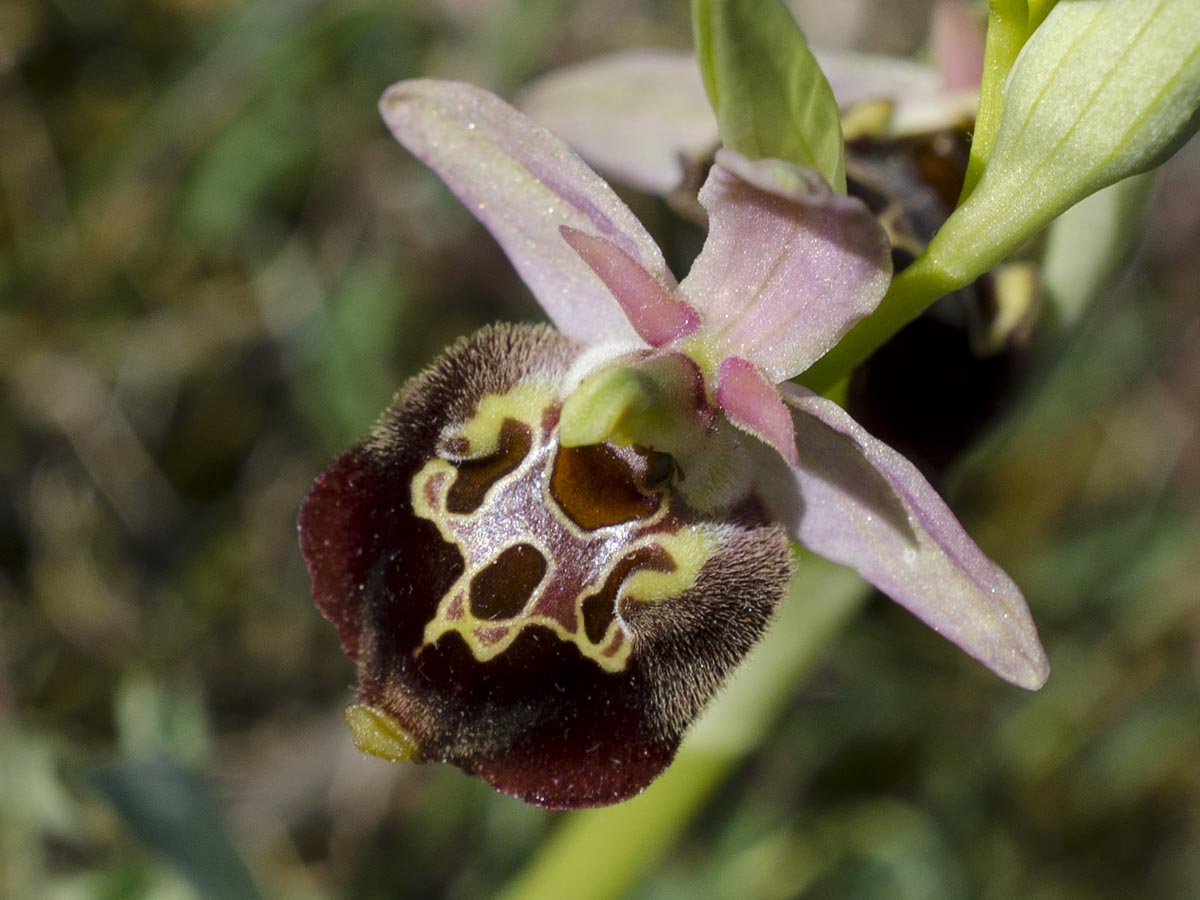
{"x":600,"y":854}
{"x":1007,"y":29}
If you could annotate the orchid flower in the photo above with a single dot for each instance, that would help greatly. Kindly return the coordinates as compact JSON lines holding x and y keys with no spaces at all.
{"x":555,"y":545}
{"x":642,"y":116}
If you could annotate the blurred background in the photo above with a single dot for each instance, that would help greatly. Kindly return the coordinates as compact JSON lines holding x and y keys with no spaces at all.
{"x":216,"y":268}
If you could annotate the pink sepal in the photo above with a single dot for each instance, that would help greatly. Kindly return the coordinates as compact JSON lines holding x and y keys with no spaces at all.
{"x":751,"y":402}
{"x":653,"y":310}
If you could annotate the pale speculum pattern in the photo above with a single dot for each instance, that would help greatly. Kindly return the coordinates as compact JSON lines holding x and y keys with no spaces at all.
{"x":555,"y":537}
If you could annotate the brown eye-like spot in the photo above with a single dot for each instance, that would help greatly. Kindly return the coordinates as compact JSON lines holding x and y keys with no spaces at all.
{"x":600,"y":608}
{"x":503,"y":588}
{"x":475,"y":476}
{"x":597,"y":488}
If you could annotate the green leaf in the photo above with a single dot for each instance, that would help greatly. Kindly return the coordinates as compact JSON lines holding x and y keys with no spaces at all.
{"x":769,"y":94}
{"x":1010,"y":23}
{"x":1038,"y":10}
{"x":1101,"y":91}
{"x":175,"y":812}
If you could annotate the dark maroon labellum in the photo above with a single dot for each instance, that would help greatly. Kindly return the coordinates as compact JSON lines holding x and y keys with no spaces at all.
{"x":550,"y":619}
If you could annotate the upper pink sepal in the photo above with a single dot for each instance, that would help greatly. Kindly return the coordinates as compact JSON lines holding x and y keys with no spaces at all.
{"x":656,"y":314}
{"x":788,"y":267}
{"x":523,"y":184}
{"x":753,"y":404}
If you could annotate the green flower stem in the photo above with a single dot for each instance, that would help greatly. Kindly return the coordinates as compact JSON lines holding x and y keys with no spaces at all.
{"x":1038,"y":10}
{"x":910,"y":294}
{"x":600,"y":854}
{"x":1007,"y":30}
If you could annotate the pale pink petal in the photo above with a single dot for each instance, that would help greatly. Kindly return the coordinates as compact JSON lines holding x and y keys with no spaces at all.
{"x":523,"y":184}
{"x":752,"y":403}
{"x":957,"y":45}
{"x":642,"y":116}
{"x":788,"y":267}
{"x":634,"y":115}
{"x":657,"y":315}
{"x":860,"y":503}
{"x":920,"y":102}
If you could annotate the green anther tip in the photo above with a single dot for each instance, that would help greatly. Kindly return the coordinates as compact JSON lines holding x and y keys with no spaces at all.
{"x":605,"y":407}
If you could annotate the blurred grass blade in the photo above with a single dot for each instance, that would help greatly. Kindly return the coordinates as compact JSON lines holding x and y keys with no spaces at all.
{"x":769,"y":94}
{"x":1089,"y":244}
{"x":173,"y":811}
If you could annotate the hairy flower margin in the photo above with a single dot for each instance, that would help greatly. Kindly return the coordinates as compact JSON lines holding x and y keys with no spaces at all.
{"x":555,"y":545}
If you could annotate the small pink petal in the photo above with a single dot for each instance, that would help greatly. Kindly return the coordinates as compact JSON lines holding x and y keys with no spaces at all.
{"x":523,"y":183}
{"x":788,"y":267}
{"x":656,"y":314}
{"x":752,"y":403}
{"x":957,"y":45}
{"x":858,"y":502}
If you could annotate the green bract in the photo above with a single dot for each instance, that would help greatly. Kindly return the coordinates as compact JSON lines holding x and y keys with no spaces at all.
{"x":769,"y":94}
{"x":1101,"y":91}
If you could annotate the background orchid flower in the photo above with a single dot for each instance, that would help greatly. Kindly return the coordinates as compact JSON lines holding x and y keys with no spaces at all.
{"x":642,"y":115}
{"x":555,"y":545}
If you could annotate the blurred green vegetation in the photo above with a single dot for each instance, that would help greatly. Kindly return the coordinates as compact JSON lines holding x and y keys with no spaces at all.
{"x":215,"y":269}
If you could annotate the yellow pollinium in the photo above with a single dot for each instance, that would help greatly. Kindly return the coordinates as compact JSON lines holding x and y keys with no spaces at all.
{"x":377,"y":733}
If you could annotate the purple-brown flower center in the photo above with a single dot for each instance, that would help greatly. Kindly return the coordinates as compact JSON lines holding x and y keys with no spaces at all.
{"x":555,"y":537}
